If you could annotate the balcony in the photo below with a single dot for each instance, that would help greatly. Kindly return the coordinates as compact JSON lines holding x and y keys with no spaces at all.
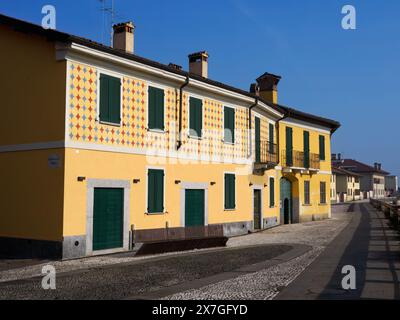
{"x":266,"y":155}
{"x":298,"y":160}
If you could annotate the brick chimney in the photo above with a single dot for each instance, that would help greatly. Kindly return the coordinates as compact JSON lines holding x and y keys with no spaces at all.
{"x":198,"y":63}
{"x":124,"y":37}
{"x":268,"y":84}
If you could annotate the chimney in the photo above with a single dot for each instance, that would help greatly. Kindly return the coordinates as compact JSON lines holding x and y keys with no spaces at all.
{"x":175,"y":66}
{"x":124,"y":37}
{"x":255,"y":89}
{"x":198,"y":63}
{"x":378,"y":166}
{"x":333,"y":156}
{"x":339,"y":156}
{"x":268,"y":84}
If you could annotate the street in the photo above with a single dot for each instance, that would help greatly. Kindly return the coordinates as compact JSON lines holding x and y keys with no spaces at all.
{"x":301,"y":261}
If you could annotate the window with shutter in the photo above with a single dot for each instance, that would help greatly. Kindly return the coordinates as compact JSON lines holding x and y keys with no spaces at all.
{"x":306,"y":144}
{"x":322,"y":148}
{"x":307,"y":192}
{"x":258,"y":138}
{"x":322,"y":192}
{"x":229,"y":125}
{"x":230,"y":201}
{"x":271,"y":192}
{"x":155,"y":191}
{"x":195,"y":117}
{"x":156,"y":109}
{"x":271,"y":139}
{"x":110,"y":99}
{"x":289,"y":146}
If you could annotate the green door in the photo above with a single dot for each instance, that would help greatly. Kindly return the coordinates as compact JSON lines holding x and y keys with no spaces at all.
{"x":194,"y":208}
{"x":108,"y":212}
{"x":258,"y":139}
{"x":286,"y":202}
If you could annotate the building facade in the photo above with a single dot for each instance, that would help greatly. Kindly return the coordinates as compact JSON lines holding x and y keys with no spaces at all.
{"x":391,"y":185}
{"x":372,"y":178}
{"x":347,"y":185}
{"x":106,"y":150}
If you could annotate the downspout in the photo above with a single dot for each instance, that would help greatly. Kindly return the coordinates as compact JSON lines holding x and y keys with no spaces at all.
{"x":250,"y":127}
{"x":179,"y":142}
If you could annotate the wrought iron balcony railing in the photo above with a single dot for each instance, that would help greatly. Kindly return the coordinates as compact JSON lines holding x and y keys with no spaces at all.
{"x":299,"y":159}
{"x":266,"y":153}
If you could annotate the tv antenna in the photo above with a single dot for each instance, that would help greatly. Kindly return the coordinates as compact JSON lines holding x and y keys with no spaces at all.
{"x":108,"y":10}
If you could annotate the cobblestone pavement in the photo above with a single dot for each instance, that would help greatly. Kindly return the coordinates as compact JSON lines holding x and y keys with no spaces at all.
{"x":267,"y":283}
{"x":264,"y":284}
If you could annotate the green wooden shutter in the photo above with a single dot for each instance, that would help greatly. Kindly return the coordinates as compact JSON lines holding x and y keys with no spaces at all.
{"x":195,"y":117}
{"x":114,"y":100}
{"x":156,"y":109}
{"x":104,"y":102}
{"x":258,"y":139}
{"x":322,"y":148}
{"x":289,"y":146}
{"x":306,"y":144}
{"x":229,"y":124}
{"x":110,"y":99}
{"x":271,"y":138}
{"x":230,"y":201}
{"x":272,"y":192}
{"x":155,"y":192}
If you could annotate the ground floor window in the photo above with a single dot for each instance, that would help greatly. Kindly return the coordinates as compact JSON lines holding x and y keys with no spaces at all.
{"x":322,"y":192}
{"x":155,"y":191}
{"x":271,"y":192}
{"x":307,"y":192}
{"x":230,"y":201}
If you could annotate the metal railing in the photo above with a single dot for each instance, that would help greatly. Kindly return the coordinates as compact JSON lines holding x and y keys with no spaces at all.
{"x":298,"y":159}
{"x":267,"y":153}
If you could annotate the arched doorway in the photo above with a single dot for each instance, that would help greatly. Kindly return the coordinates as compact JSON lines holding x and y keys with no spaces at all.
{"x":286,"y":202}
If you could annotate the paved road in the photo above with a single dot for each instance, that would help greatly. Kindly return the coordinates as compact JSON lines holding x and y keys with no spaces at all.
{"x":367,"y":243}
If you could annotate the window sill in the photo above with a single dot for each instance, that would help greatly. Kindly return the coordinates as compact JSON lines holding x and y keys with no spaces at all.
{"x":156,"y":131}
{"x":109,"y":123}
{"x":307,"y":205}
{"x":155,"y":213}
{"x":229,"y":210}
{"x":195,"y":138}
{"x":228,"y":143}
{"x":323,"y":204}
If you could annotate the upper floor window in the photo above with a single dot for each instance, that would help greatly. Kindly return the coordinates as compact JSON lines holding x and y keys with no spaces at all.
{"x":289,"y":146}
{"x":156,"y":109}
{"x":110,"y":99}
{"x":322,"y":148}
{"x":229,"y":125}
{"x":271,"y":131}
{"x":195,"y":117}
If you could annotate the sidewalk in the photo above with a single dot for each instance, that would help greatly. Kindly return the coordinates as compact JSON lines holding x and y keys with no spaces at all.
{"x":369,"y":245}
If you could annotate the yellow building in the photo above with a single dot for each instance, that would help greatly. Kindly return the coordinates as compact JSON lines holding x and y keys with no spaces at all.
{"x":105,"y":150}
{"x":347,"y":185}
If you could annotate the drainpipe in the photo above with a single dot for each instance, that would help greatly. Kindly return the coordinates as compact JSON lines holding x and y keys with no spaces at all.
{"x":250,"y":133}
{"x":179,"y":142}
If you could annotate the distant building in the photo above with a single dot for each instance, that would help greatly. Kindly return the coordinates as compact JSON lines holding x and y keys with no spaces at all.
{"x":346,"y":186}
{"x":372,"y":178}
{"x":391,"y":185}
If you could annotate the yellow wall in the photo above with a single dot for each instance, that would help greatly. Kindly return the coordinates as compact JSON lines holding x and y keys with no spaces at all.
{"x":117,"y":166}
{"x":315,"y":208}
{"x":31,"y":195}
{"x":33,"y":89}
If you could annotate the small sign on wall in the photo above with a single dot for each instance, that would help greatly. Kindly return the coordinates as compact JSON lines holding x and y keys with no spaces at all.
{"x":54,"y":161}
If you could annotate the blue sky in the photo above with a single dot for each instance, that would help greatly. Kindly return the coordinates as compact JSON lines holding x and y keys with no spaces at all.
{"x":348,"y":75}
